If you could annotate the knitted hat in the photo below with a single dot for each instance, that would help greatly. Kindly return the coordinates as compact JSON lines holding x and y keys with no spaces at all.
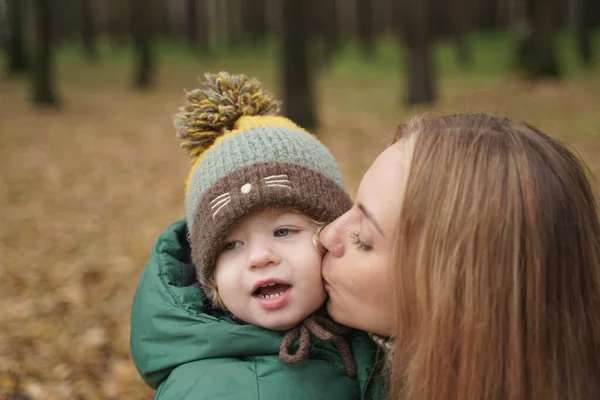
{"x":246,"y":158}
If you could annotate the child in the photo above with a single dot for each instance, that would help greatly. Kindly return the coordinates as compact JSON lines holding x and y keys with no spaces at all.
{"x":259,"y":188}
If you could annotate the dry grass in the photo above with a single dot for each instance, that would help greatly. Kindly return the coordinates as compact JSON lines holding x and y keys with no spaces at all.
{"x":86,"y":190}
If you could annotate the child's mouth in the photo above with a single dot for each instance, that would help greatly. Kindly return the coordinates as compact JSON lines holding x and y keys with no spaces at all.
{"x":271,"y":291}
{"x":272,"y":295}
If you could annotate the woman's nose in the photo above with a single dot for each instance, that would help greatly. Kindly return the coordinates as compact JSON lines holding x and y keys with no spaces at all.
{"x":331,"y":239}
{"x":262,"y":255}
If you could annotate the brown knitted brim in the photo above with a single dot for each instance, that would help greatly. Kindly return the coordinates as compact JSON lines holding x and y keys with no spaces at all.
{"x":253,"y":188}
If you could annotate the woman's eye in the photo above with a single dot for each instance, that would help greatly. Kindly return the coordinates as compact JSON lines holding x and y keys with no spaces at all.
{"x":281,"y":232}
{"x":355,"y":236}
{"x":232,"y":245}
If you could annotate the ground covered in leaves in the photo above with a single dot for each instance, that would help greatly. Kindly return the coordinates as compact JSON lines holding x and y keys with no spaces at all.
{"x":86,"y":189}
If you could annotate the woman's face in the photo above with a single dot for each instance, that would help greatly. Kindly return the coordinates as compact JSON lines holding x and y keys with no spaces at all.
{"x":357,"y":270}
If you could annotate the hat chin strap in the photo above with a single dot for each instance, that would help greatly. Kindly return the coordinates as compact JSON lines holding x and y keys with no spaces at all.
{"x":322,"y":328}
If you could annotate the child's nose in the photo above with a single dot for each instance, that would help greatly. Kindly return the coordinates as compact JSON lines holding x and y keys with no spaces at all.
{"x":331,"y":239}
{"x":262,"y":255}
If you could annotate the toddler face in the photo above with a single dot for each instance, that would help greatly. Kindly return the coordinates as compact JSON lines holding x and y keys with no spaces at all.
{"x":269,"y":270}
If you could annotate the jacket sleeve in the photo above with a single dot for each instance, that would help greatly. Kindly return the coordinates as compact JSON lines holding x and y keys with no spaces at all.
{"x":224,"y":379}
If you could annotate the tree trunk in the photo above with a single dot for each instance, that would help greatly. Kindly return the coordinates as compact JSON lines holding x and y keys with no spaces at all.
{"x":420,"y":76}
{"x":192,"y":24}
{"x":143,"y":79}
{"x":273,"y":16}
{"x":323,"y":26}
{"x":298,"y":101}
{"x":418,"y":39}
{"x":261,"y":20}
{"x":545,"y":62}
{"x":66,"y":21}
{"x":573,"y":14}
{"x":381,"y":17}
{"x":365,"y":26}
{"x":223,"y":26}
{"x":88,"y":33}
{"x":537,"y":56}
{"x":464,"y":56}
{"x":42,"y":79}
{"x":330,"y":29}
{"x":142,"y":25}
{"x":502,"y":15}
{"x":488,"y":14}
{"x":165,"y":24}
{"x":118,"y":21}
{"x":584,"y":27}
{"x":234,"y":25}
{"x":460,"y":10}
{"x":203,"y":28}
{"x":17,"y":58}
{"x":255,"y":20}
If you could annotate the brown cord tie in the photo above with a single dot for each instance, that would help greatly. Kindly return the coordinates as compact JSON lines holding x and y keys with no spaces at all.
{"x":322,"y":328}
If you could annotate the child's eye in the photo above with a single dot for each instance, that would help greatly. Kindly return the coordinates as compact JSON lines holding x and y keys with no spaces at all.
{"x":232,"y":245}
{"x":355,"y":236}
{"x":281,"y":232}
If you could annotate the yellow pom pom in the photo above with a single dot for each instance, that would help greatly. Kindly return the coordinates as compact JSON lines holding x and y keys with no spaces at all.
{"x":212,"y":110}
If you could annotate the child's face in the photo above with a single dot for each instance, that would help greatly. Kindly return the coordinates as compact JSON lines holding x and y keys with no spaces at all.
{"x":269,"y":271}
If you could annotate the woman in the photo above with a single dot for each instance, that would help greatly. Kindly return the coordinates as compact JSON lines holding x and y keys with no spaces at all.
{"x":475,"y":244}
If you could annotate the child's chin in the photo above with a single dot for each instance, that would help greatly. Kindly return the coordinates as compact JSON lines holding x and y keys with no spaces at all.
{"x":281,"y":327}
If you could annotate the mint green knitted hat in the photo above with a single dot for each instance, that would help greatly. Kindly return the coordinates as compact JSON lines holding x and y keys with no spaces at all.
{"x":246,"y":158}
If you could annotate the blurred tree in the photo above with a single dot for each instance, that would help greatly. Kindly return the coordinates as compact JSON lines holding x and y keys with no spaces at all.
{"x":117,"y":23}
{"x":255,"y":20}
{"x":330,"y":28}
{"x":233,"y":21}
{"x":414,"y":20}
{"x":298,"y":92}
{"x":165,"y":22}
{"x":66,"y":21}
{"x":203,"y":27}
{"x":61,"y":22}
{"x":43,"y":93}
{"x":536,"y":51}
{"x":323,"y":25}
{"x":365,"y":26}
{"x":461,"y":12}
{"x":192,"y":24}
{"x":584,"y":28}
{"x":503,"y":15}
{"x":88,"y":30}
{"x":273,"y":16}
{"x":17,"y":60}
{"x":487,"y":13}
{"x":142,"y":30}
{"x":382,"y":18}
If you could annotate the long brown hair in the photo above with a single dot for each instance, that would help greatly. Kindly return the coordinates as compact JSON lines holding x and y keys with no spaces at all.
{"x":497,"y":265}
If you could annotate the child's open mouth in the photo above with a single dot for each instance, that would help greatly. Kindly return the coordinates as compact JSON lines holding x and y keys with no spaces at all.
{"x":272,"y":295}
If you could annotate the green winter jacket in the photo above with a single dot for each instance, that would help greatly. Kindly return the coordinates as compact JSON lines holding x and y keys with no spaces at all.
{"x":185,"y":353}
